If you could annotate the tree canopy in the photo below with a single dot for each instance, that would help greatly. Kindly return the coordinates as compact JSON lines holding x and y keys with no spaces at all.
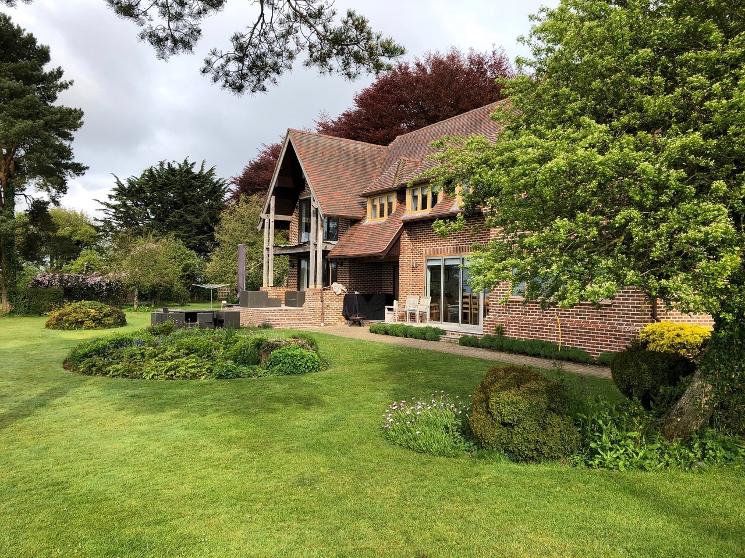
{"x":238,"y":226}
{"x":35,"y":136}
{"x":158,"y":268}
{"x":170,"y":198}
{"x":410,"y":96}
{"x":622,"y":159}
{"x":53,"y":236}
{"x":269,"y":45}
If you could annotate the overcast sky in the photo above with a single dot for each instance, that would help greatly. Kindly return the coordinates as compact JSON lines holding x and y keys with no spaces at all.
{"x":140,"y":110}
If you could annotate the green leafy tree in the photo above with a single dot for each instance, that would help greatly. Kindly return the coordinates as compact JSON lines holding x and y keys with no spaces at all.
{"x":88,"y":261}
{"x":622,"y":164}
{"x":158,"y":268}
{"x":35,"y":137}
{"x":168,"y":199}
{"x":238,"y":226}
{"x":53,"y":236}
{"x":269,"y":45}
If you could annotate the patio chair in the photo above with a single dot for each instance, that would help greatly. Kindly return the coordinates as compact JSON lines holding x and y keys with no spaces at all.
{"x":206,"y":320}
{"x":423,"y":308}
{"x":178,"y":318}
{"x":391,"y":312}
{"x":411,"y":308}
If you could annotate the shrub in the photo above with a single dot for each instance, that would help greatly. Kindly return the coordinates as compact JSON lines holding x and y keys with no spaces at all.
{"x":641,"y":374}
{"x":623,"y":437}
{"x":290,"y":360}
{"x":86,"y":315}
{"x":102,"y":288}
{"x":531,"y":347}
{"x":227,"y":369}
{"x":163,"y":328}
{"x":247,"y":351}
{"x":33,"y":301}
{"x":427,"y":333}
{"x":435,"y":426}
{"x":523,"y":414}
{"x":162,"y":354}
{"x":686,"y":340}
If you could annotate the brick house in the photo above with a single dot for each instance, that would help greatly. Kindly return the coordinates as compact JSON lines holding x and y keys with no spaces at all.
{"x":355,"y":214}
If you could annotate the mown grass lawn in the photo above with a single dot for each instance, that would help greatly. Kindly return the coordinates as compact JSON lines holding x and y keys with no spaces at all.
{"x":298,"y":467}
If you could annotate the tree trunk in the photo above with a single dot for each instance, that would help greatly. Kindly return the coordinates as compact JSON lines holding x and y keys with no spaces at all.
{"x":720,"y":375}
{"x":692,"y":411}
{"x":136,"y":300}
{"x":7,"y":243}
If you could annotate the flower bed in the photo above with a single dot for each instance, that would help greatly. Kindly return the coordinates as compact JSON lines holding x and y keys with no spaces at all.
{"x":435,"y":426}
{"x":162,"y":353}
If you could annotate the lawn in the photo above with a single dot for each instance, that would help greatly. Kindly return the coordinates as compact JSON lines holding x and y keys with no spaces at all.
{"x":297,"y":466}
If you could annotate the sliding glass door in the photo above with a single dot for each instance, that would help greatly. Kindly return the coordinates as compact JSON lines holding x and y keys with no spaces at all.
{"x":453,"y":299}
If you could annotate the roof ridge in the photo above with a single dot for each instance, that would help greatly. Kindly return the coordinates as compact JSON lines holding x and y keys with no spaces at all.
{"x":338,"y":138}
{"x":499,"y":102}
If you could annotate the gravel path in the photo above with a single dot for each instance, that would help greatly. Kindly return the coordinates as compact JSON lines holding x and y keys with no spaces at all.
{"x":363,"y":334}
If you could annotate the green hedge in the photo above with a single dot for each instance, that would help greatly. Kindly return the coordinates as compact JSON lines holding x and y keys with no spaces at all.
{"x":641,"y":374}
{"x":531,"y":347}
{"x":427,"y":333}
{"x":37,"y":301}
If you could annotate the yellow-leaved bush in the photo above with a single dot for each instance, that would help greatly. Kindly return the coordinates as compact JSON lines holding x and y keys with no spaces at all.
{"x":670,"y":337}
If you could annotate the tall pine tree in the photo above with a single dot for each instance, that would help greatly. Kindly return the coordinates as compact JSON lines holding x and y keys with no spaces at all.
{"x":35,"y":136}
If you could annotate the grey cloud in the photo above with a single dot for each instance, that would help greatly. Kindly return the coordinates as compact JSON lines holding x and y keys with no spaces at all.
{"x":140,"y":110}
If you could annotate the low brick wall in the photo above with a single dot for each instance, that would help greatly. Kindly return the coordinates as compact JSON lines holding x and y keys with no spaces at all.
{"x":322,"y":307}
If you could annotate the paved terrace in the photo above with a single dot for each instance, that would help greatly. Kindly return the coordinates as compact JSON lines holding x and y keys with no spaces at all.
{"x":363,"y":334}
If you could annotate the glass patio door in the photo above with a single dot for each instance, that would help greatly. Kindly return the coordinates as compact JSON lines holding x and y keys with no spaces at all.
{"x":453,"y":299}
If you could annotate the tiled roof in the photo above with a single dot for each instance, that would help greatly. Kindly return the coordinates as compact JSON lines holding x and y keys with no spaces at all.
{"x":413,"y":148}
{"x":369,"y":238}
{"x":338,"y":170}
{"x":341,"y":172}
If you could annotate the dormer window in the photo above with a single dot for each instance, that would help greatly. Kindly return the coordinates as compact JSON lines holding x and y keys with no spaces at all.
{"x":421,"y":198}
{"x":381,"y":207}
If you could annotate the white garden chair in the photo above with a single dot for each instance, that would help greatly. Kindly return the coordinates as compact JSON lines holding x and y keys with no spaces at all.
{"x":423,"y":308}
{"x":412,"y":307}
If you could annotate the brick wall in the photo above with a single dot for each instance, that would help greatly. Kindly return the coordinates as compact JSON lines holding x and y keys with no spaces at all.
{"x":419,"y":241}
{"x":366,"y":276}
{"x":322,"y":307}
{"x":607,"y":327}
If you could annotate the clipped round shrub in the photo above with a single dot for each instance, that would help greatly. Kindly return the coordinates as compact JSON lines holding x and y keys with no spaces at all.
{"x":686,"y":340}
{"x":523,"y":414}
{"x":641,"y":374}
{"x":86,"y":315}
{"x":291,"y":359}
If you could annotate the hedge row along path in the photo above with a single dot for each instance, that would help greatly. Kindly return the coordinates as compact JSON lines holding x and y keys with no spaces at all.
{"x":363,"y":334}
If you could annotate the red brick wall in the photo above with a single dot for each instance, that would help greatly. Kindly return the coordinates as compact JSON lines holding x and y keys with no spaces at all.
{"x":607,"y":327}
{"x":322,"y":307}
{"x":366,"y":276}
{"x":419,"y":241}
